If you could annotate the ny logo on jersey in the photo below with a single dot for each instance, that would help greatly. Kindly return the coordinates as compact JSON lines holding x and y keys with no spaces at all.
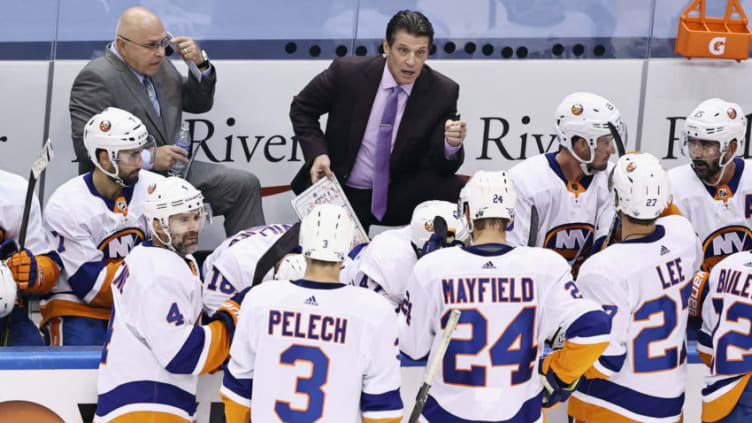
{"x":571,"y":240}
{"x":119,"y":244}
{"x":724,"y":242}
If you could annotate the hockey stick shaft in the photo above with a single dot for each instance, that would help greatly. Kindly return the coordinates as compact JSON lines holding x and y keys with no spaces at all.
{"x":41,"y":162}
{"x":433,"y":367}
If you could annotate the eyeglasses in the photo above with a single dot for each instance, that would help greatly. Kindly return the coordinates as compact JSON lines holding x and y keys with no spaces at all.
{"x":164,"y":43}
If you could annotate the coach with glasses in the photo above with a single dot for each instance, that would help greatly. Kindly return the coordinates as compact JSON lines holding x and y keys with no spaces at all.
{"x":133,"y":75}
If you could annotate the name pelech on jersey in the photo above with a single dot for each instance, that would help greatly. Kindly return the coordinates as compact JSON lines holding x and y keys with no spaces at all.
{"x":232,"y":265}
{"x":644,"y":284}
{"x":572,"y":215}
{"x":723,"y":342}
{"x":94,"y":234}
{"x":511,"y":300}
{"x":313,"y":351}
{"x":721,"y":216}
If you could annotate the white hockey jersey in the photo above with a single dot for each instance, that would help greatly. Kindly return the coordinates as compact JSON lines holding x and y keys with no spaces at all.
{"x":512,"y":300}
{"x":156,"y":347}
{"x":93,"y":234}
{"x":12,"y":198}
{"x":572,"y":215}
{"x":724,"y":341}
{"x":721,"y":216}
{"x":313,"y":351}
{"x":231,"y":266}
{"x":644,"y":284}
{"x":386,"y":263}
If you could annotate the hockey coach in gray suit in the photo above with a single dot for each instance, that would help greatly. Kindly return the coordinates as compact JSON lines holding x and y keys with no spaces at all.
{"x":134,"y":75}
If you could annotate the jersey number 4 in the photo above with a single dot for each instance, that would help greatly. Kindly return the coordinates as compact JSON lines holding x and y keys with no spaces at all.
{"x":514,"y":347}
{"x":312,"y":386}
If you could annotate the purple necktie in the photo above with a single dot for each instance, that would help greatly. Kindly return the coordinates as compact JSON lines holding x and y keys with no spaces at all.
{"x":383,"y":154}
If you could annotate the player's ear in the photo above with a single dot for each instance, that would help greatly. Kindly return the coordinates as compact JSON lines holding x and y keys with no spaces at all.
{"x":732,"y":149}
{"x":103,"y":158}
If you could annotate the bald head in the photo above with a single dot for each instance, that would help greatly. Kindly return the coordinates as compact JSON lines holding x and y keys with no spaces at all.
{"x":138,"y":40}
{"x":136,"y":20}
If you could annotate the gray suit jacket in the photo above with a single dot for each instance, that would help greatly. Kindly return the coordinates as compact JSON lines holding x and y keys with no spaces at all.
{"x":107,"y":81}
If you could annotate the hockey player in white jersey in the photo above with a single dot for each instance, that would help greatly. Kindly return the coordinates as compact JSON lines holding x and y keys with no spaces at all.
{"x":644,"y":283}
{"x":96,"y":219}
{"x":570,"y":187}
{"x":156,"y":346}
{"x":33,"y":270}
{"x":714,"y":190}
{"x":315,"y":349}
{"x":724,"y":342}
{"x":512,"y":299}
{"x":231,"y":267}
{"x":388,"y":259}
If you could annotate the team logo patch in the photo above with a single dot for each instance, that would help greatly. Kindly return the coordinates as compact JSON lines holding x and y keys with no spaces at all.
{"x":731,"y":112}
{"x":428,"y":226}
{"x":105,"y":125}
{"x":119,"y":244}
{"x":722,"y":193}
{"x":724,"y":242}
{"x":577,"y":109}
{"x":151,"y":188}
{"x":572,"y":240}
{"x":121,"y":205}
{"x":630,"y":167}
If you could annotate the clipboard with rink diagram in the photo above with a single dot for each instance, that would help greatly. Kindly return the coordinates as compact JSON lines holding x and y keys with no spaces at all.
{"x":327,"y":191}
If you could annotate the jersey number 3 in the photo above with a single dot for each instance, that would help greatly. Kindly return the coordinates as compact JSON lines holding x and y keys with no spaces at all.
{"x":310,"y":386}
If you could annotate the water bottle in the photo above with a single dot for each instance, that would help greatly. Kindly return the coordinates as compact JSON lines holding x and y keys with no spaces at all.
{"x":184,"y":142}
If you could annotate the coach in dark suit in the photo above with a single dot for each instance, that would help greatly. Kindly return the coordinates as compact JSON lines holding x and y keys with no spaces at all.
{"x":390,"y":136}
{"x":133,"y":75}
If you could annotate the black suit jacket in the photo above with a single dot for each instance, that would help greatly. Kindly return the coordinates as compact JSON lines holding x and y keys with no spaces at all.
{"x":346,"y":91}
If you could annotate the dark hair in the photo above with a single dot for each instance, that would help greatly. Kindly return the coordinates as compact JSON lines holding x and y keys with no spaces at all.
{"x":491,"y":223}
{"x":414,"y":23}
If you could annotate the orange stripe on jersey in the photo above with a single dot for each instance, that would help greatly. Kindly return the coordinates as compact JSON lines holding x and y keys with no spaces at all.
{"x":104,"y":296}
{"x":584,"y":412}
{"x":56,"y":335}
{"x":50,"y":271}
{"x":234,"y":412}
{"x":671,"y":209}
{"x":56,"y":308}
{"x":219,"y":349}
{"x":150,"y":417}
{"x":387,"y":420}
{"x":573,"y":360}
{"x":192,"y":266}
{"x":722,"y":406}
{"x":706,"y":358}
{"x":593,"y":373}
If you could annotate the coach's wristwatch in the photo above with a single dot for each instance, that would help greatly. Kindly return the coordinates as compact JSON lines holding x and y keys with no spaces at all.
{"x":205,"y":64}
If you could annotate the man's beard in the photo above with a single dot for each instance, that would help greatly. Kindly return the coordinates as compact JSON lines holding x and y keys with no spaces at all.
{"x":184,"y":247}
{"x":708,"y":173}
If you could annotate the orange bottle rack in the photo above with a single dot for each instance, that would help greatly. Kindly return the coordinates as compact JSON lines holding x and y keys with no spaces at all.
{"x":715,"y":37}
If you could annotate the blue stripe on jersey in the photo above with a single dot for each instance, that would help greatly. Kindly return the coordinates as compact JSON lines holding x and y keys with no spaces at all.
{"x":127,"y":191}
{"x":381,"y":402}
{"x":530,"y":411}
{"x":592,"y":323}
{"x":186,"y":359}
{"x":636,"y":402}
{"x":242,"y":387}
{"x":83,"y":280}
{"x":554,"y":165}
{"x":704,"y":339}
{"x":55,"y":257}
{"x":612,"y":362}
{"x":355,"y":251}
{"x":720,"y":384}
{"x":145,"y":391}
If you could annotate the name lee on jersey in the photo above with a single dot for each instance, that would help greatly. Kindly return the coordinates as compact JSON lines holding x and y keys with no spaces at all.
{"x":295,"y":324}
